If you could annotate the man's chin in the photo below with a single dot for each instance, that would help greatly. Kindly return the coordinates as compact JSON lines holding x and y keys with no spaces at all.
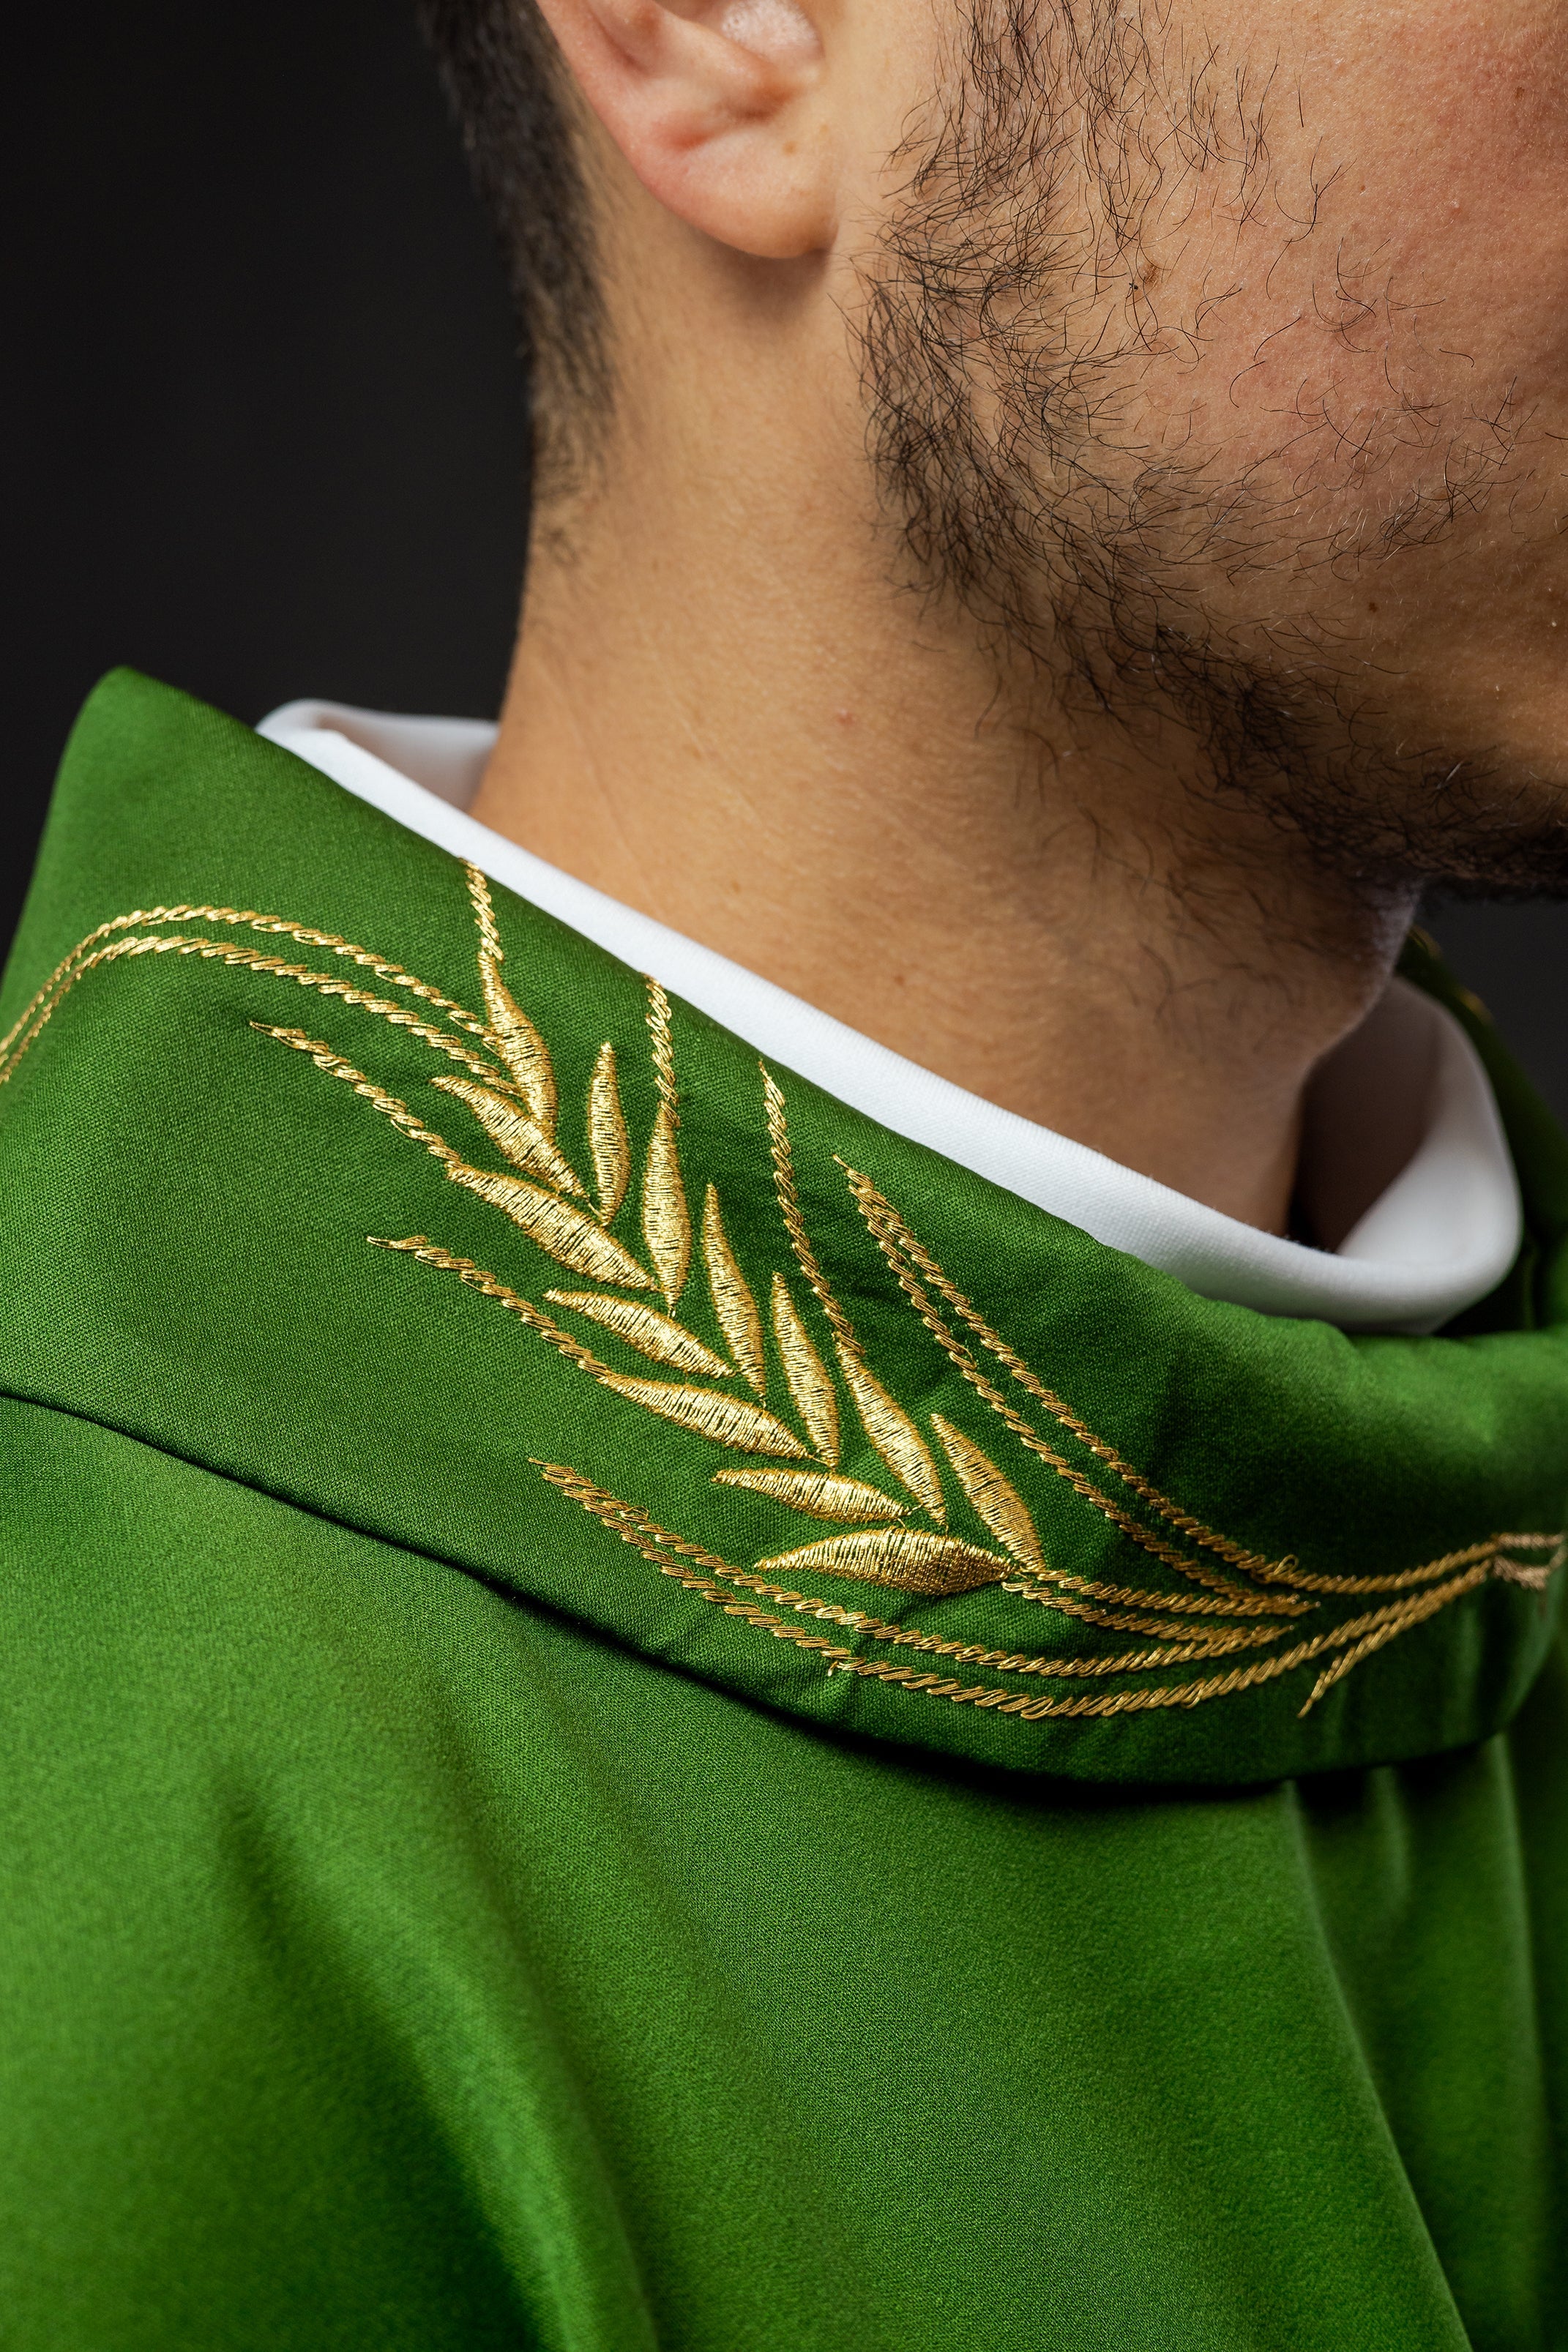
{"x":1487,"y":839}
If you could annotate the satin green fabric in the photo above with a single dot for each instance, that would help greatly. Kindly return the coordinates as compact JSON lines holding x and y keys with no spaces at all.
{"x":426,"y":1923}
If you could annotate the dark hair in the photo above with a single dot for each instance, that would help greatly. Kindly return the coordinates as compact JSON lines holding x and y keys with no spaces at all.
{"x":507,"y":86}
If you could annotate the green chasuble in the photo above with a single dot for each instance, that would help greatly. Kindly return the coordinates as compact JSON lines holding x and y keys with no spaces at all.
{"x":639,"y":1713}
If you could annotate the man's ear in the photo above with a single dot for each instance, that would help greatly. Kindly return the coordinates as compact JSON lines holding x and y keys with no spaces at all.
{"x":717,"y":107}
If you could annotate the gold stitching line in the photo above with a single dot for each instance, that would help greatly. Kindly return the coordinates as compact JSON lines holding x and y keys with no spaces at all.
{"x":897,"y":1238}
{"x":662,"y":1042}
{"x":275,"y":968}
{"x":484,"y":913}
{"x":377,"y":1097}
{"x":879,"y":1212}
{"x":1383,"y":1624}
{"x":1238,"y":1600}
{"x":636,"y":1527}
{"x":305,"y":934}
{"x":783,"y":1152}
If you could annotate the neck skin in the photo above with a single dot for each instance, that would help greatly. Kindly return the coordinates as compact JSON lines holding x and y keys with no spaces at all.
{"x":722,"y":712}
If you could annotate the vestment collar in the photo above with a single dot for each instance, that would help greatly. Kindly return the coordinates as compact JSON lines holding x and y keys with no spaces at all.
{"x":1406,"y":1094}
{"x":334,"y":1168}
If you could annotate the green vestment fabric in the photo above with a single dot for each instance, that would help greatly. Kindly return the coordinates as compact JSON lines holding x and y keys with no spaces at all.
{"x":639,"y":1713}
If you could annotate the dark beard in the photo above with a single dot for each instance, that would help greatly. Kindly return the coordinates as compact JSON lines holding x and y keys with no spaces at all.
{"x":1011,"y":321}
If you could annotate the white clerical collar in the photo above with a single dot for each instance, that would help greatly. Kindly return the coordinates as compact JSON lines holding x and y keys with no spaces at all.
{"x":1442,"y":1234}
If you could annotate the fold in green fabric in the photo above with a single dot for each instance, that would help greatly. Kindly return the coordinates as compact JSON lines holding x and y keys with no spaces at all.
{"x":519,"y":1823}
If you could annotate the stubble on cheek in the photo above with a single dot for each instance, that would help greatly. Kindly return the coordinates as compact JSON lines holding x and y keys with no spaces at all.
{"x":1170,"y":356}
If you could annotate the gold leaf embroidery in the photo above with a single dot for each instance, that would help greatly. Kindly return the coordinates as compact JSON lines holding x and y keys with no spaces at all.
{"x":889,"y":1429}
{"x":572,"y":1240}
{"x":810,"y":1383}
{"x":1422,"y":1591}
{"x":731,"y":1294}
{"x":608,"y":1138}
{"x":666,"y":1221}
{"x":820,"y":1493}
{"x":729,"y":1421}
{"x":902,"y":1556}
{"x":513,"y":1131}
{"x":523,"y":1049}
{"x":997,"y":1503}
{"x":645,"y":1329}
{"x":893,"y":1434}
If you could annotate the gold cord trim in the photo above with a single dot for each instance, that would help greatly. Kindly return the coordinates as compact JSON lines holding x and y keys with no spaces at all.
{"x":662,"y":1042}
{"x":788,"y":1195}
{"x":72,"y":967}
{"x":1358,"y":1635}
{"x":1238,"y":1600}
{"x":484,"y":912}
{"x":389,"y":1106}
{"x":655,"y":1543}
{"x":135,"y":945}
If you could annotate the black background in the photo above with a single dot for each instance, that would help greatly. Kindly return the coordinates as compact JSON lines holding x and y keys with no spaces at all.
{"x":264,"y":430}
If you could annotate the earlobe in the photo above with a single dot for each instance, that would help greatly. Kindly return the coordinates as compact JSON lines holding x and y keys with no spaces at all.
{"x":717,"y":105}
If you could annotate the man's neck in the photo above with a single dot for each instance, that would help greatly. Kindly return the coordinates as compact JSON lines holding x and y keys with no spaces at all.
{"x":752,"y":738}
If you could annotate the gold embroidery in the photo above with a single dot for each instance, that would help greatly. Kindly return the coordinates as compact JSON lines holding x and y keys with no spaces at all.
{"x":666,"y":1224}
{"x":889,"y":1429}
{"x":72,"y":967}
{"x":136,"y":945}
{"x":608,"y":1143}
{"x":572,"y":1239}
{"x":906,"y":1558}
{"x":513,"y":1099}
{"x":655,"y":1543}
{"x":893,"y":1434}
{"x":885,"y":1228}
{"x":822,"y":1494}
{"x":997,"y":1503}
{"x":513,"y":1131}
{"x":521,"y":1048}
{"x":729,"y":1421}
{"x":788,"y":1195}
{"x":389,"y":1106}
{"x":484,"y":914}
{"x":898,"y":1244}
{"x":810,"y":1384}
{"x":656,"y":1335}
{"x":731,"y":1294}
{"x":1386,"y":1623}
{"x":726,"y":1419}
{"x":659,"y":1030}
